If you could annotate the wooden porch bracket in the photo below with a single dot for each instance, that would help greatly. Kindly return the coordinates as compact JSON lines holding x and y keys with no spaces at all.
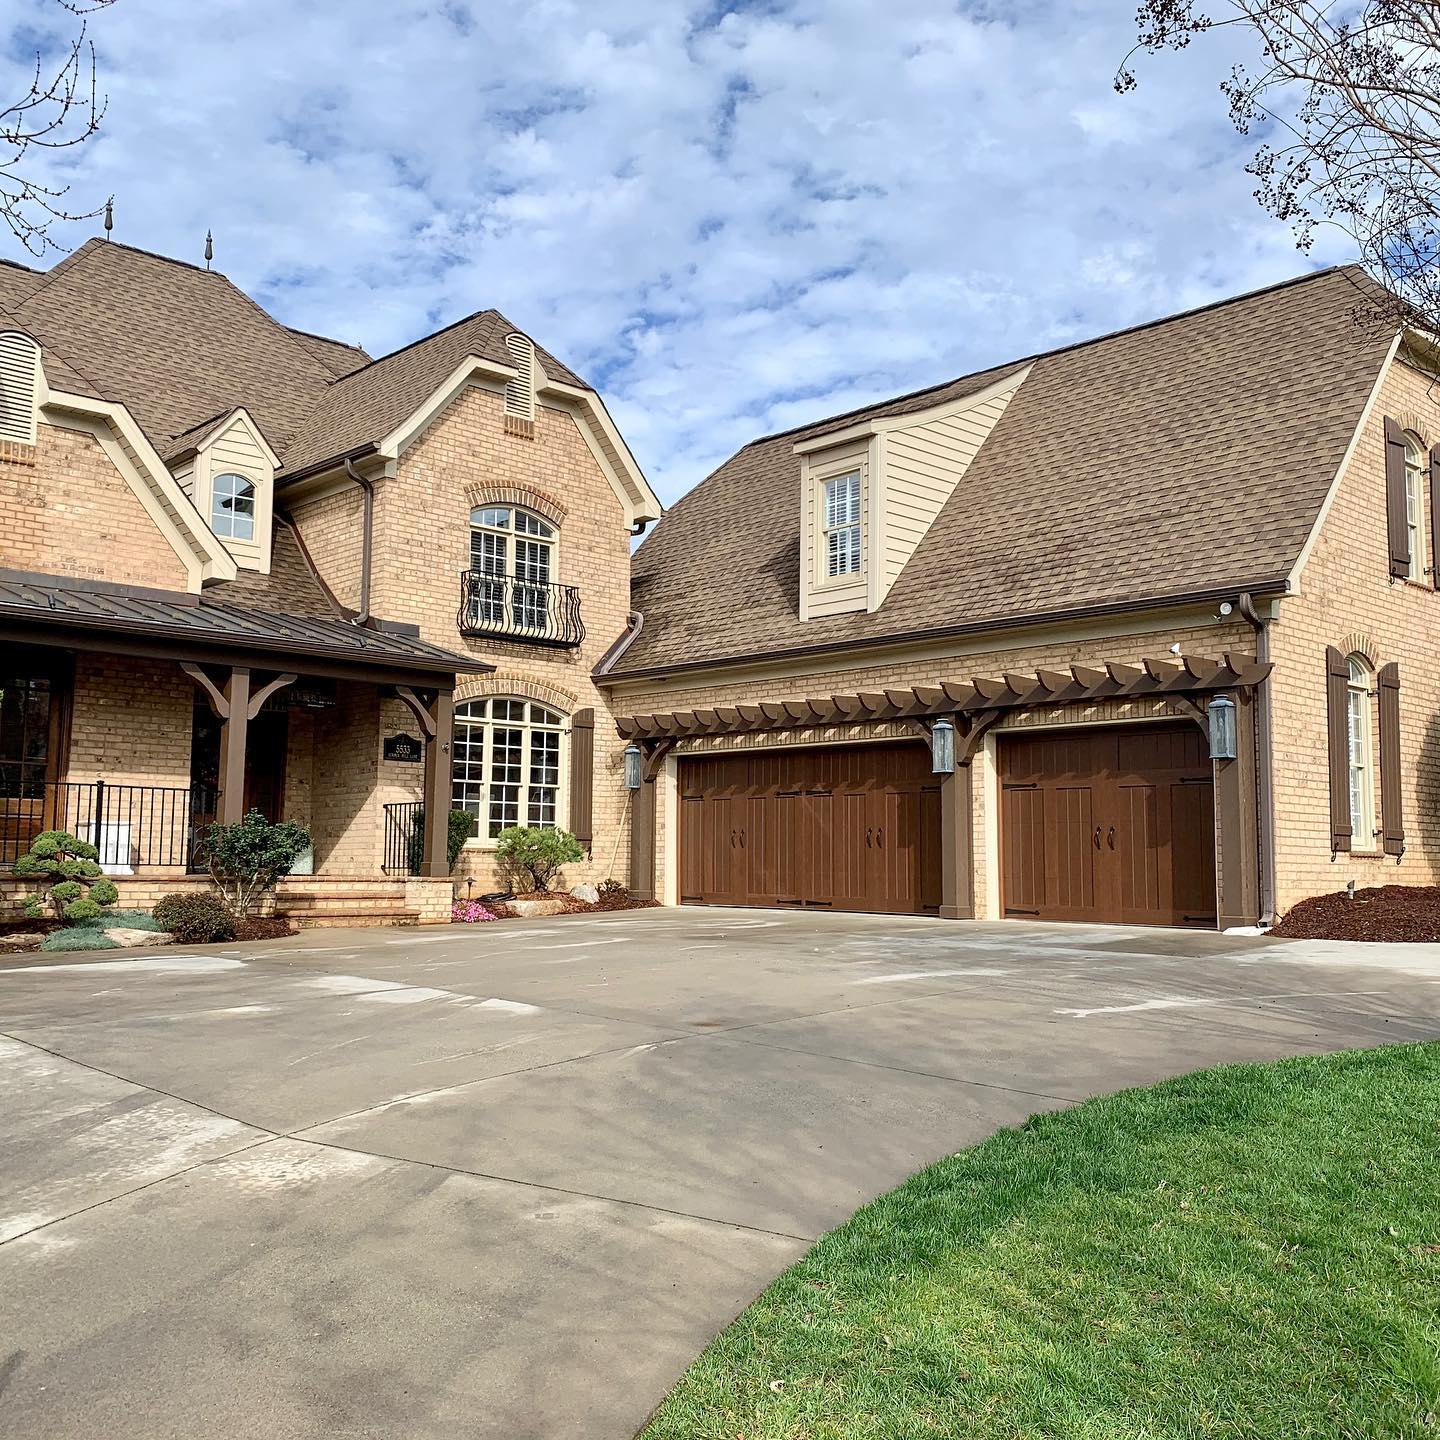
{"x":655,"y":753}
{"x":258,"y":699}
{"x":419,"y":708}
{"x":214,"y":696}
{"x":1191,"y":710}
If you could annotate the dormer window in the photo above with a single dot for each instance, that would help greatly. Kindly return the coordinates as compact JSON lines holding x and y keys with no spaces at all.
{"x":842,"y":525}
{"x":232,"y":507}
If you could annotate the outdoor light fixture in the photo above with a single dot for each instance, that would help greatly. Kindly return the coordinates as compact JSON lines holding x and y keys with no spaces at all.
{"x":942,"y":747}
{"x":1221,"y":715}
{"x":632,"y":767}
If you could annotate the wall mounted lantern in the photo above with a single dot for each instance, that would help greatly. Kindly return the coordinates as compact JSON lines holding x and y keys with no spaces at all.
{"x":1221,"y":718}
{"x":632,"y":767}
{"x":942,"y":747}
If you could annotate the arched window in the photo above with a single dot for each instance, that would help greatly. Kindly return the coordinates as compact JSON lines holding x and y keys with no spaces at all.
{"x":1360,"y":753}
{"x":506,"y":763}
{"x":232,"y":507}
{"x":1415,"y":504}
{"x":513,"y":554}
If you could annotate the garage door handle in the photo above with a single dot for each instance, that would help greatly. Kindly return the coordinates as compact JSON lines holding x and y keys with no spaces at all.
{"x":742,"y":839}
{"x":732,"y":839}
{"x":869,"y":837}
{"x":880,"y":837}
{"x":1112,"y":837}
{"x":1097,"y":837}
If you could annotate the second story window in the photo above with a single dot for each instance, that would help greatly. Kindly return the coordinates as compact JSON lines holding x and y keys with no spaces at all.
{"x":1359,"y":748}
{"x":1415,"y":505}
{"x":512,"y":554}
{"x":842,"y":525}
{"x":232,"y":508}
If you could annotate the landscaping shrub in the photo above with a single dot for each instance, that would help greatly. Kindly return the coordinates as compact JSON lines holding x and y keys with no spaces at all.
{"x":537,"y":854}
{"x":68,"y":873}
{"x":132,"y":920}
{"x":248,"y":858}
{"x":195,"y":919}
{"x":78,"y":937}
{"x":460,"y":827}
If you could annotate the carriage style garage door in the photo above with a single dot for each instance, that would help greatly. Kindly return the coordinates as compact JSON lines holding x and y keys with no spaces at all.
{"x":1110,"y":824}
{"x":849,"y":828}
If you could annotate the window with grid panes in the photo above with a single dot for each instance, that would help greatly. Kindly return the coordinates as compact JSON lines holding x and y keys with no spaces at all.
{"x":514,"y":552}
{"x":506,"y":763}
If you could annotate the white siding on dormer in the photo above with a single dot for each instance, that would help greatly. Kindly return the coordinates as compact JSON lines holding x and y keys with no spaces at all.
{"x":236,"y":449}
{"x":924,"y":464}
{"x":819,"y":593}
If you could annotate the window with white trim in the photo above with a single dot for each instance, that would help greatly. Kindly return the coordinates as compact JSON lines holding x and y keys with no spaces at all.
{"x":1415,"y":505}
{"x":506,"y":763}
{"x":513,"y":553}
{"x":841,"y":525}
{"x":1360,"y":753}
{"x":232,"y":507}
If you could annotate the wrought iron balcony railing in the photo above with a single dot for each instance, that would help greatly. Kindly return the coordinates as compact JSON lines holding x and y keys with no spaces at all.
{"x":509,"y":608}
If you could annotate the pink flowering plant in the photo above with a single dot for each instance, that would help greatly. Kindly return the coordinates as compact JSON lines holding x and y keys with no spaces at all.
{"x":470,"y":912}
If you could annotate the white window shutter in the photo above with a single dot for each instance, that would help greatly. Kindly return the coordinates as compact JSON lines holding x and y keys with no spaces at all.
{"x":520,"y":392}
{"x":19,"y":386}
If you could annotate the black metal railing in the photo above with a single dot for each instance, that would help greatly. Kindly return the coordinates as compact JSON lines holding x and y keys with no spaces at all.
{"x":511,"y":608}
{"x":404,"y":842}
{"x":132,"y":826}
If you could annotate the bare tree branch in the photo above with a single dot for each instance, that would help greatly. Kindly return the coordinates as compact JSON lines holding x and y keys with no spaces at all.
{"x":1350,"y":92}
{"x":61,"y":109}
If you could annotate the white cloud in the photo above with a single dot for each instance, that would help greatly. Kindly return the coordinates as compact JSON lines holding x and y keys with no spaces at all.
{"x":732,"y":219}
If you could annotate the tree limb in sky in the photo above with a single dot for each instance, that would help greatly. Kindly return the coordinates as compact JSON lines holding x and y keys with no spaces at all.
{"x":1346,"y":97}
{"x":60,"y":110}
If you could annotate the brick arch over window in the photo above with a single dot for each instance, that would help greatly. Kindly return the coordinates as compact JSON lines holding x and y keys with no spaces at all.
{"x":1358,"y":643}
{"x":541,"y":502}
{"x":1412,"y":421}
{"x":551,"y":695}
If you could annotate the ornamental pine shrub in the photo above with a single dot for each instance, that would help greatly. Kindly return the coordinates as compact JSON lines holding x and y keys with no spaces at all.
{"x":537,"y":854}
{"x":67,"y":872}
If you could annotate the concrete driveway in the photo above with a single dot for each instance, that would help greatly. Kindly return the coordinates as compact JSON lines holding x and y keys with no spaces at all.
{"x":507,"y":1180}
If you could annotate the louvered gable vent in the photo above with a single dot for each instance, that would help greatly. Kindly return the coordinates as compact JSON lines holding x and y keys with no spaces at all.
{"x":520,"y":392}
{"x":19,"y":383}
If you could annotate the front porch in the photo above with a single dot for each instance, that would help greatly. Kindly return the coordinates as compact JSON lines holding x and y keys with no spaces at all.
{"x":138,"y":743}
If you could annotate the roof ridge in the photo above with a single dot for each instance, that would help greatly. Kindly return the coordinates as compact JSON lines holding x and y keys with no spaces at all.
{"x":423,"y":339}
{"x":1030,"y":359}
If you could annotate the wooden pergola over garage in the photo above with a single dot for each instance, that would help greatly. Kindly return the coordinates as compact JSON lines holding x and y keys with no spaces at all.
{"x":775,"y":843}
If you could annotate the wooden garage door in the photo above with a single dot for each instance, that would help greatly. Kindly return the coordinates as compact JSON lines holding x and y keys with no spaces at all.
{"x":854,"y":828}
{"x":1112,"y":825}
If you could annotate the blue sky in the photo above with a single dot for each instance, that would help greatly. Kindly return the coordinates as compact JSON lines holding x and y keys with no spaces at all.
{"x":731,"y":218}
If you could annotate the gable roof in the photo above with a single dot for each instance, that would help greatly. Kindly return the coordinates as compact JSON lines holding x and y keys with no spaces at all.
{"x":369,"y":403}
{"x":1187,"y":456}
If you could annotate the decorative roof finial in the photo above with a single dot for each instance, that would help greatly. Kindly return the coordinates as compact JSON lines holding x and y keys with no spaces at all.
{"x":209,"y":249}
{"x":109,"y":216}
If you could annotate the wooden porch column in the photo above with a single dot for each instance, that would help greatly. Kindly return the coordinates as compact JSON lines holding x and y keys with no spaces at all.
{"x":1237,"y":823}
{"x":957,"y":863}
{"x":642,"y":840}
{"x":435,"y":858}
{"x":234,"y":731}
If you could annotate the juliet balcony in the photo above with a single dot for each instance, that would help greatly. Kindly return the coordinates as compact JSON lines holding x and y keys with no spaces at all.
{"x":529,"y":612}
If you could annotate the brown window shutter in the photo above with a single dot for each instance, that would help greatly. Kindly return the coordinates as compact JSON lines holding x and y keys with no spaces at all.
{"x":1392,"y":820}
{"x":1395,"y":499}
{"x":1337,"y":680}
{"x":1435,"y":517}
{"x":582,"y":775}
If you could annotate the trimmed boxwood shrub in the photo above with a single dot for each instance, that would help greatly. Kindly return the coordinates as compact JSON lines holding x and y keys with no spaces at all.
{"x":195,"y":919}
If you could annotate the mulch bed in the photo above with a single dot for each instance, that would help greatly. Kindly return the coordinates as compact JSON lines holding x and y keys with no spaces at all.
{"x":1384,"y":912}
{"x":263,"y":928}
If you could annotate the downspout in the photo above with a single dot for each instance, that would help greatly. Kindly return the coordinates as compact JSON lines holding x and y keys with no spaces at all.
{"x":638,"y":528}
{"x":367,"y":528}
{"x":1264,"y":761}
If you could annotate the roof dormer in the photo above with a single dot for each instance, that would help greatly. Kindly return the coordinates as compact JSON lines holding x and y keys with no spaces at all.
{"x":870,"y":491}
{"x":230,"y":477}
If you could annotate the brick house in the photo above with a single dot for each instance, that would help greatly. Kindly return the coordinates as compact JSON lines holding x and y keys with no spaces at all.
{"x":1142,"y":629}
{"x":246,"y":567}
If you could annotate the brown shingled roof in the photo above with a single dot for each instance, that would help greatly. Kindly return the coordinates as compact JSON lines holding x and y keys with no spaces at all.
{"x":1188,"y":455}
{"x":370,"y":402}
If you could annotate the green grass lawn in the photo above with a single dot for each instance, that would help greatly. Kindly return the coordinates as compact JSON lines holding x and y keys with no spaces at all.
{"x":1251,"y":1251}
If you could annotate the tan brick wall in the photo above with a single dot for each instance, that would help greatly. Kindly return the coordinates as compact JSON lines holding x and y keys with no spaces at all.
{"x":70,"y":512}
{"x":332,"y":528}
{"x":1207,"y":640}
{"x":131,"y":723}
{"x":1347,"y":599}
{"x":422,"y":543}
{"x":345,"y":796}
